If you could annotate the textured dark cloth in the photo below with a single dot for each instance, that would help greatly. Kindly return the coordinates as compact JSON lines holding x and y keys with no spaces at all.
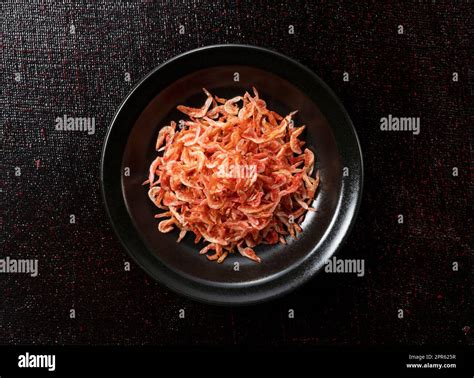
{"x":51,"y":68}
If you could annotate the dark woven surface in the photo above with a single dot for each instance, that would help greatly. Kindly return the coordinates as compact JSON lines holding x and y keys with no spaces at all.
{"x":81,"y":265}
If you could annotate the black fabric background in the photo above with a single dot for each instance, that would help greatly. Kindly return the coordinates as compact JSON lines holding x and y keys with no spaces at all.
{"x":81,"y":265}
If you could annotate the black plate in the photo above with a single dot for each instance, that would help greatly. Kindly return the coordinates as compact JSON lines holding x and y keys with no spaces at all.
{"x":285,"y":85}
